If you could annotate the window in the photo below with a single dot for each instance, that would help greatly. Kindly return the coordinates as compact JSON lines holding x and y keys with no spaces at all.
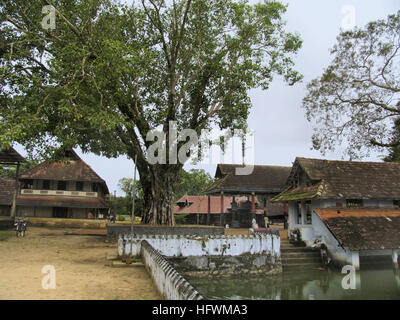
{"x":396,"y":204}
{"x":46,"y":185}
{"x":62,"y":185}
{"x":94,"y":187}
{"x":352,"y":203}
{"x":27,"y":184}
{"x":79,"y":186}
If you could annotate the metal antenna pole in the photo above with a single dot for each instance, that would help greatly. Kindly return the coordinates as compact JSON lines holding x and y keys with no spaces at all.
{"x":133,"y":196}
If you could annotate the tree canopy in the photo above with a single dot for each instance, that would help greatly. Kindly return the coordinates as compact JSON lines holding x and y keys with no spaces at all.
{"x":356,"y":101}
{"x":109,"y":73}
{"x":9,"y":172}
{"x":192,"y":182}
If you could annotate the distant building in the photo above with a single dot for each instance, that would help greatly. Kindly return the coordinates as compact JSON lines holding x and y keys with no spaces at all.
{"x":349,"y":208}
{"x":195,"y":208}
{"x":263,"y":183}
{"x":64,"y":189}
{"x":8,"y":196}
{"x":7,"y":187}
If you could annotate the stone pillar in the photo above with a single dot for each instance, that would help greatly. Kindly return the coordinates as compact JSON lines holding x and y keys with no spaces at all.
{"x":355,"y":260}
{"x":395,"y":258}
{"x":303,"y":213}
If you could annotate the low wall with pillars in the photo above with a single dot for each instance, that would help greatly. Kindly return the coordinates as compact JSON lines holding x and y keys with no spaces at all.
{"x":186,"y":246}
{"x":168,"y":281}
{"x":115,"y":230}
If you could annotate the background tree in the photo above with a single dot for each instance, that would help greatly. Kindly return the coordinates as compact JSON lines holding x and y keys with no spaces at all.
{"x":110,"y":73}
{"x":123,"y":205}
{"x":357,"y":99}
{"x":192,"y":182}
{"x":394,"y":150}
{"x":9,"y":172}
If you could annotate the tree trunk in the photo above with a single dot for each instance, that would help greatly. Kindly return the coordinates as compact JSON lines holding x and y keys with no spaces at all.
{"x":158,"y":191}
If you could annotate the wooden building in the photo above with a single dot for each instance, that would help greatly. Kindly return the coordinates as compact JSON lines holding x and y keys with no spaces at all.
{"x":349,"y":208}
{"x":263,"y":183}
{"x":9,"y":188}
{"x":195,"y":208}
{"x":68,"y":188}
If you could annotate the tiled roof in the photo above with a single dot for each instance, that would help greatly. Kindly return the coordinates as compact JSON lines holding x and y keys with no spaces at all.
{"x":344,"y":180}
{"x":68,"y":202}
{"x":199,"y":204}
{"x":72,"y":169}
{"x":264,"y":179}
{"x":300,"y":193}
{"x":363,"y":228}
{"x":7,"y":187}
{"x":275,"y":209}
{"x":10,"y":156}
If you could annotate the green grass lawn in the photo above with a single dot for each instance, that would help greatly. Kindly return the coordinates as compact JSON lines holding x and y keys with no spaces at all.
{"x":4,"y":235}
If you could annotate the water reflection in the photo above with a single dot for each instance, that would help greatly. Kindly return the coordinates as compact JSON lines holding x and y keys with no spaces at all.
{"x":309,"y":285}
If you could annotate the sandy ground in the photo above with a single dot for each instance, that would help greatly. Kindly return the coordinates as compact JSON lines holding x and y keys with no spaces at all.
{"x":80,"y":264}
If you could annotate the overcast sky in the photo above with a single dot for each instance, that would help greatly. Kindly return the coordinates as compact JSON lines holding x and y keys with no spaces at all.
{"x":281,"y":131}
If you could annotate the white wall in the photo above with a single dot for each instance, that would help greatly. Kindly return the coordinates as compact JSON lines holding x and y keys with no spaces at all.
{"x":169,"y":282}
{"x":175,"y":246}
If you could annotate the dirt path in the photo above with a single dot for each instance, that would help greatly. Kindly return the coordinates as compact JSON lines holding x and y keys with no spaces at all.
{"x":80,"y":265}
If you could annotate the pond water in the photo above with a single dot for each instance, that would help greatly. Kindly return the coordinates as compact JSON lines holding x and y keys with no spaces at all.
{"x":305,"y":285}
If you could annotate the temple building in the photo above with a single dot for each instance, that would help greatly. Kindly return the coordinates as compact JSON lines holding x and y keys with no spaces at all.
{"x":68,"y":188}
{"x":349,"y":209}
{"x":195,"y":208}
{"x":260,"y":186}
{"x":9,"y":187}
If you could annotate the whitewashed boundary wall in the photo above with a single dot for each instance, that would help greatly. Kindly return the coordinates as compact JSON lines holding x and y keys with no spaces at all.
{"x":185,"y":246}
{"x":168,"y":281}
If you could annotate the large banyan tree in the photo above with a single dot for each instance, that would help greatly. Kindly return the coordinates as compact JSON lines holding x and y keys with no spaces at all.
{"x":102,"y":75}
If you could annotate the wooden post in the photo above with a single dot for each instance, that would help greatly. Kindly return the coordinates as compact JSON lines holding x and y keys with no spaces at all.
{"x":253,"y":202}
{"x":222,"y":209}
{"x":253,"y":206}
{"x":16,"y":190}
{"x":208,"y":209}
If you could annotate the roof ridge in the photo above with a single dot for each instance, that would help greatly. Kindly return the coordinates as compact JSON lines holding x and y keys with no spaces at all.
{"x":348,"y":161}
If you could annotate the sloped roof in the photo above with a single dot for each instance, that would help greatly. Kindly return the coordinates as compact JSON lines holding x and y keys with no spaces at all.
{"x":199,"y":204}
{"x":263,"y":179}
{"x":72,"y":168}
{"x":344,"y":180}
{"x":364,"y":228}
{"x":67,"y":202}
{"x":274,"y":209}
{"x":10,"y":156}
{"x":7,"y":187}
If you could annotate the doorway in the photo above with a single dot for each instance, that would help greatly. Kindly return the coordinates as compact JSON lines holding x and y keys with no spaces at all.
{"x":60,"y":212}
